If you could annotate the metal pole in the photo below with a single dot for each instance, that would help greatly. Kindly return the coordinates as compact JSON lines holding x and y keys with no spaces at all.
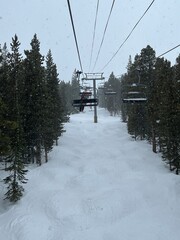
{"x":94,"y":77}
{"x":95,"y":107}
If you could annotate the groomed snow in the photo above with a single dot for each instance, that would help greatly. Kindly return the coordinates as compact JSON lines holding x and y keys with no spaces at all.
{"x":99,"y":184}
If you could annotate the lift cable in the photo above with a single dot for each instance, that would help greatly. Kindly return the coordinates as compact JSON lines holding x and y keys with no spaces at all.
{"x":128,"y":35}
{"x":162,"y":54}
{"x":104,"y":34}
{"x":168,"y":51}
{"x":154,"y":58}
{"x":70,"y":12}
{"x":92,"y":47}
{"x":131,"y":96}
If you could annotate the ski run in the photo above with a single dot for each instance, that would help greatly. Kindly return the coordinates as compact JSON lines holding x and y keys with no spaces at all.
{"x":99,"y":184}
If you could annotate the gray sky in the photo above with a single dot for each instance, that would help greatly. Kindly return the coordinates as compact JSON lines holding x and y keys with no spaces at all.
{"x":51,"y":21}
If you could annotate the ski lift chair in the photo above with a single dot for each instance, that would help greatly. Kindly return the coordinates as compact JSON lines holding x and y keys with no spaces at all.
{"x":135,"y":93}
{"x":86,"y":102}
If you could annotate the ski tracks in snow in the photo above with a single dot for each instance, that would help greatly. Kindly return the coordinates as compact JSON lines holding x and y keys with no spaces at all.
{"x":97,"y":185}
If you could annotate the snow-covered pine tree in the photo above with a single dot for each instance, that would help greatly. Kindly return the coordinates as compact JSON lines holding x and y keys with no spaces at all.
{"x":33,"y":98}
{"x":16,"y":166}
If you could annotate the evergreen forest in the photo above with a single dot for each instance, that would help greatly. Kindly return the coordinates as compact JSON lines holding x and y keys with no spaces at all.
{"x":32,"y":111}
{"x":156,"y":120}
{"x":35,"y":104}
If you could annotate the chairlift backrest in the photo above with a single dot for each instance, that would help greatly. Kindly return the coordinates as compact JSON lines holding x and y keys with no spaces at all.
{"x":86,"y":94}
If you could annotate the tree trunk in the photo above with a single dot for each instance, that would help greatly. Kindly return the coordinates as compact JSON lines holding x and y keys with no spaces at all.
{"x":46,"y":155}
{"x":38,"y":154}
{"x":154,"y":140}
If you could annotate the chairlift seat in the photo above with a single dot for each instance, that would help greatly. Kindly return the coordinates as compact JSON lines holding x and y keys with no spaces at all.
{"x":86,"y":102}
{"x":110,"y":93}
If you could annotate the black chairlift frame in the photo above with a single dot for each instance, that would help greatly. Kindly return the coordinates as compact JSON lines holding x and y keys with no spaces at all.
{"x":86,"y":102}
{"x":134,"y":96}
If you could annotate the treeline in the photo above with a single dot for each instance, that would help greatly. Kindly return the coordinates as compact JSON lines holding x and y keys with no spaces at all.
{"x":112,"y":102}
{"x":70,"y":91}
{"x":32,"y":111}
{"x":158,"y":119}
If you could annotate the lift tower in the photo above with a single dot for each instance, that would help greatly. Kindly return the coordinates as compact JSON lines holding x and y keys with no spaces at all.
{"x":94,"y":77}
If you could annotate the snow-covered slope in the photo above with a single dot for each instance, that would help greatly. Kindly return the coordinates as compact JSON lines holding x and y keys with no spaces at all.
{"x":99,"y":184}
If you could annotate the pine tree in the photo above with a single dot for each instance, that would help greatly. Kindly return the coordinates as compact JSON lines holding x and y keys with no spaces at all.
{"x":174,"y":117}
{"x":146,"y":76}
{"x":137,"y":79}
{"x":4,"y":86}
{"x":168,"y":123}
{"x":6,"y":125}
{"x":113,"y":101}
{"x":123,"y":106}
{"x":33,"y":100}
{"x":65,"y":93}
{"x":4,"y":137}
{"x":58,"y":107}
{"x":15,"y":157}
{"x":54,"y":114}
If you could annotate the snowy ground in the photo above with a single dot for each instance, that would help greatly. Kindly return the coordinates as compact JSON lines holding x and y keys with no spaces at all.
{"x":99,"y":184}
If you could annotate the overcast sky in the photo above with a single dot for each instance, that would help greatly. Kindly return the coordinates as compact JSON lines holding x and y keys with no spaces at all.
{"x":50,"y":20}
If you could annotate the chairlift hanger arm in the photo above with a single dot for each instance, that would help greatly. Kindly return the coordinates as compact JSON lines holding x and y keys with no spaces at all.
{"x":93,"y":76}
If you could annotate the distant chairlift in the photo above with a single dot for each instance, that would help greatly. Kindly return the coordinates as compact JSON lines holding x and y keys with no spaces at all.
{"x":135,"y":93}
{"x":101,"y":86}
{"x":85,"y":100}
